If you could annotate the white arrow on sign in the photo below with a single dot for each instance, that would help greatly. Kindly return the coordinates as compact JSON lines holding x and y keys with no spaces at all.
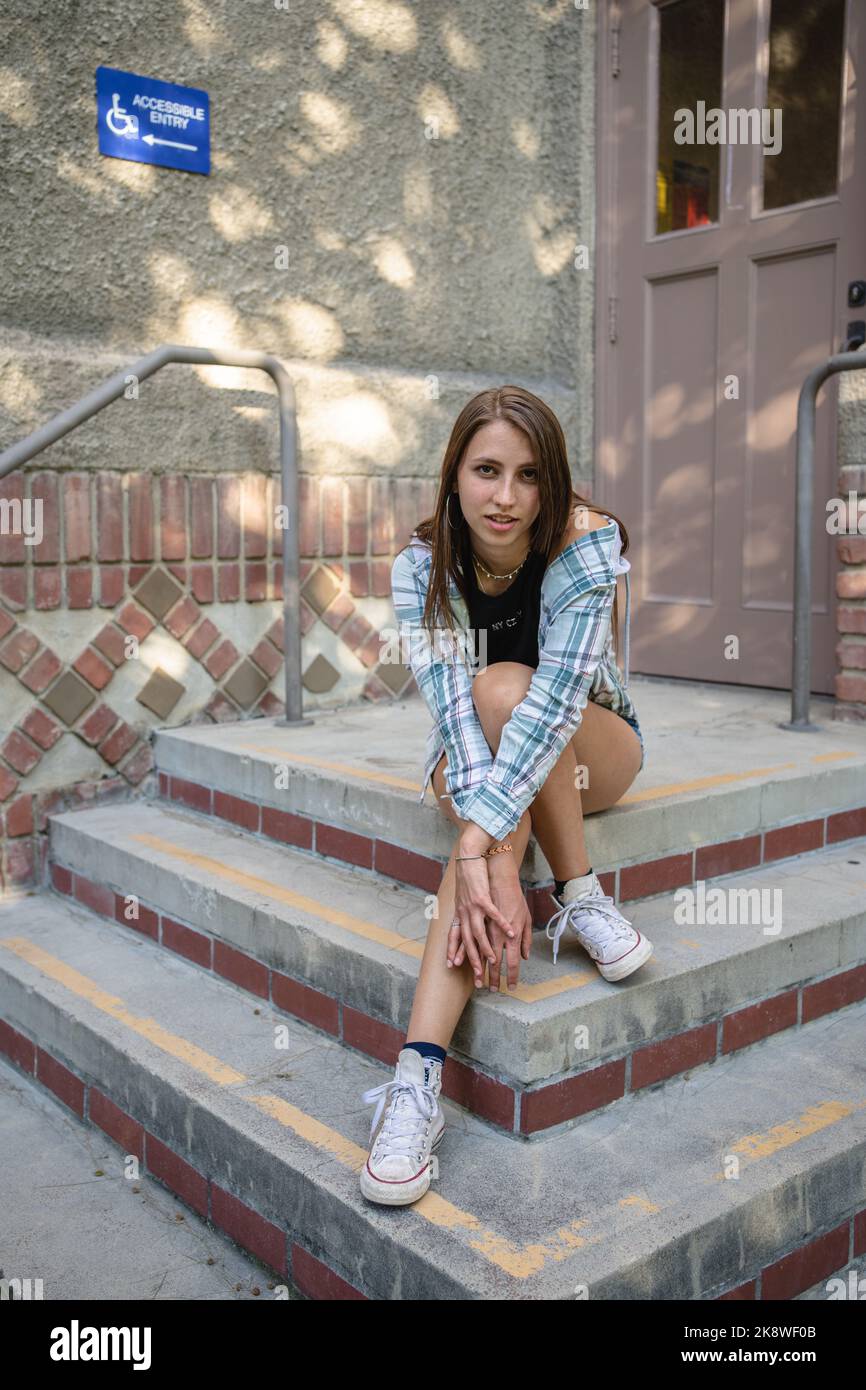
{"x":155,"y":140}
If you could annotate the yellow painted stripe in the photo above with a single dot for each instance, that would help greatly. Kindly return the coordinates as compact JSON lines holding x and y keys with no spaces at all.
{"x":520,"y":1261}
{"x":289,"y":756}
{"x":816,"y":1118}
{"x":527,"y":994}
{"x":720,"y":779}
{"x":642,"y":1202}
{"x":756,"y":1146}
{"x":517,"y":1260}
{"x":344,"y":1150}
{"x":366,"y":774}
{"x":371,"y":930}
{"x":545,"y":989}
{"x":696,"y":784}
{"x":86,"y":988}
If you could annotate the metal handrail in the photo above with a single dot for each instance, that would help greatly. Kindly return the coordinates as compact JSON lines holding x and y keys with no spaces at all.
{"x":801,"y":672}
{"x":116,"y":386}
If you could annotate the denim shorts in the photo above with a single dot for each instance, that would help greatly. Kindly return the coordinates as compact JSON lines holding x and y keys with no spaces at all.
{"x":634,"y":725}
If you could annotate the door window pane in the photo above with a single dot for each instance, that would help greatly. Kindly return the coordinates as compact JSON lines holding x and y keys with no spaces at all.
{"x":805,"y":83}
{"x":691,"y":41}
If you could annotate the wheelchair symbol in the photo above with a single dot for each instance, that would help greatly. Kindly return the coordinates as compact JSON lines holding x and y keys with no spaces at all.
{"x":119,"y":122}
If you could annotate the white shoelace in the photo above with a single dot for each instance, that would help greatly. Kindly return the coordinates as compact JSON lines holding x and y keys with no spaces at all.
{"x":602,"y":922}
{"x":402,"y":1126}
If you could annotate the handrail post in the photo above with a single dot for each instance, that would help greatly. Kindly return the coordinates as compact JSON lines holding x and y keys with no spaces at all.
{"x":801,"y":660}
{"x":116,"y":385}
{"x":291,"y":552}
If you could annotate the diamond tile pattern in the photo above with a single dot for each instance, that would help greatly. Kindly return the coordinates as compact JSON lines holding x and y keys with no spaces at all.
{"x":69,"y":697}
{"x":161,"y":693}
{"x":245,"y":684}
{"x":320,"y":676}
{"x":320,"y":589}
{"x":158,"y":592}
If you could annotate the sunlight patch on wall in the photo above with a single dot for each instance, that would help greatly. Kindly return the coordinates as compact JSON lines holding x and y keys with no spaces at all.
{"x":385,"y":24}
{"x":238,"y":214}
{"x":334,"y":129}
{"x":314,"y":331}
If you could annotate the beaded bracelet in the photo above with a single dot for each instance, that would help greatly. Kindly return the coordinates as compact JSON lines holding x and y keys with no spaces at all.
{"x":496,"y":849}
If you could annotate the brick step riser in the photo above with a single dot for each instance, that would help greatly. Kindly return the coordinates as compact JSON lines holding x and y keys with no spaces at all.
{"x":521,"y":1112}
{"x":287,"y":1254}
{"x":626,"y":883}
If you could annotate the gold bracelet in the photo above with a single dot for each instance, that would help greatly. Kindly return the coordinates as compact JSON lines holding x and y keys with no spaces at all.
{"x":495,"y":849}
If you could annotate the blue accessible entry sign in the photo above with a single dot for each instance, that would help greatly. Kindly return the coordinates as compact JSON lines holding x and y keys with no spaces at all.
{"x":152,"y":122}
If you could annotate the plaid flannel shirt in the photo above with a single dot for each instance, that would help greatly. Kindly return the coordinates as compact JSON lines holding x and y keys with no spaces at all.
{"x":575,"y":663}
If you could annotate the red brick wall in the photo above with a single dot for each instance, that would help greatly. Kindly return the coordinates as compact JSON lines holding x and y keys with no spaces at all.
{"x":851,"y":607}
{"x":104,"y":535}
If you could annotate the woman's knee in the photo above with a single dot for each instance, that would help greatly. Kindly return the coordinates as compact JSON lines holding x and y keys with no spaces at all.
{"x":496,"y":692}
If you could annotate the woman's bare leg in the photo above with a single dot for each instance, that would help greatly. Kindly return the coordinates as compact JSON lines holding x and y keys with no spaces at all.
{"x":609,"y":751}
{"x":442,"y":991}
{"x":606,"y":746}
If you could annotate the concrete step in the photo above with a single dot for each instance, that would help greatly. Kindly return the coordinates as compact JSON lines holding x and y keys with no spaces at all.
{"x":341,"y":950}
{"x":78,"y":1223}
{"x":748,"y":1182}
{"x":723,"y":789}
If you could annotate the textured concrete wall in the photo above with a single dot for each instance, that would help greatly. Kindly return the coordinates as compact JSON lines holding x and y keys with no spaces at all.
{"x":406,"y":256}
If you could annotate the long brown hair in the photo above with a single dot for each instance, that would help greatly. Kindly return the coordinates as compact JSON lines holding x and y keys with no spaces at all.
{"x":447,"y":532}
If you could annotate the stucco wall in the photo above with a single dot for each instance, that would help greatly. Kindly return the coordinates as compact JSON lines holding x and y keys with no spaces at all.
{"x":406,"y":256}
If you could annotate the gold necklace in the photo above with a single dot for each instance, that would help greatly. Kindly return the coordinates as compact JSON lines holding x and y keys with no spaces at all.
{"x":500,"y":576}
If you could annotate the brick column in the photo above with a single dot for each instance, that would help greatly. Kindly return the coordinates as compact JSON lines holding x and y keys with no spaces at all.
{"x":851,"y":608}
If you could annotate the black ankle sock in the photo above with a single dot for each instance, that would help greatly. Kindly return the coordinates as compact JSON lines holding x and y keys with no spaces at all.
{"x":561,"y":882}
{"x":428,"y":1050}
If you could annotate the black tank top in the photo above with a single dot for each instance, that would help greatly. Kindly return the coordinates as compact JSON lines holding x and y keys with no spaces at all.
{"x":509,"y":620}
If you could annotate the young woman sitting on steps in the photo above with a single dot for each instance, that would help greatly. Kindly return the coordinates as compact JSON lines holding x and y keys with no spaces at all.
{"x":517,"y":562}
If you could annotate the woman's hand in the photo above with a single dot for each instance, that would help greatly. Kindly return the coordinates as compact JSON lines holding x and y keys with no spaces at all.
{"x":472,"y":904}
{"x":506,"y":895}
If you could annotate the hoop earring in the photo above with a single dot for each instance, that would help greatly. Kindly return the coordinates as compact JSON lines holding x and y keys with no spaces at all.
{"x":448,"y":512}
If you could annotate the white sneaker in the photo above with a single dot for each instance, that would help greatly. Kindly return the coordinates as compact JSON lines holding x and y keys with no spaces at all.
{"x":398,"y":1166}
{"x":600,"y":927}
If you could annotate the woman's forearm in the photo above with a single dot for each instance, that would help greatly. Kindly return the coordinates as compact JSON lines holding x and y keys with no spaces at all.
{"x":474,"y":839}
